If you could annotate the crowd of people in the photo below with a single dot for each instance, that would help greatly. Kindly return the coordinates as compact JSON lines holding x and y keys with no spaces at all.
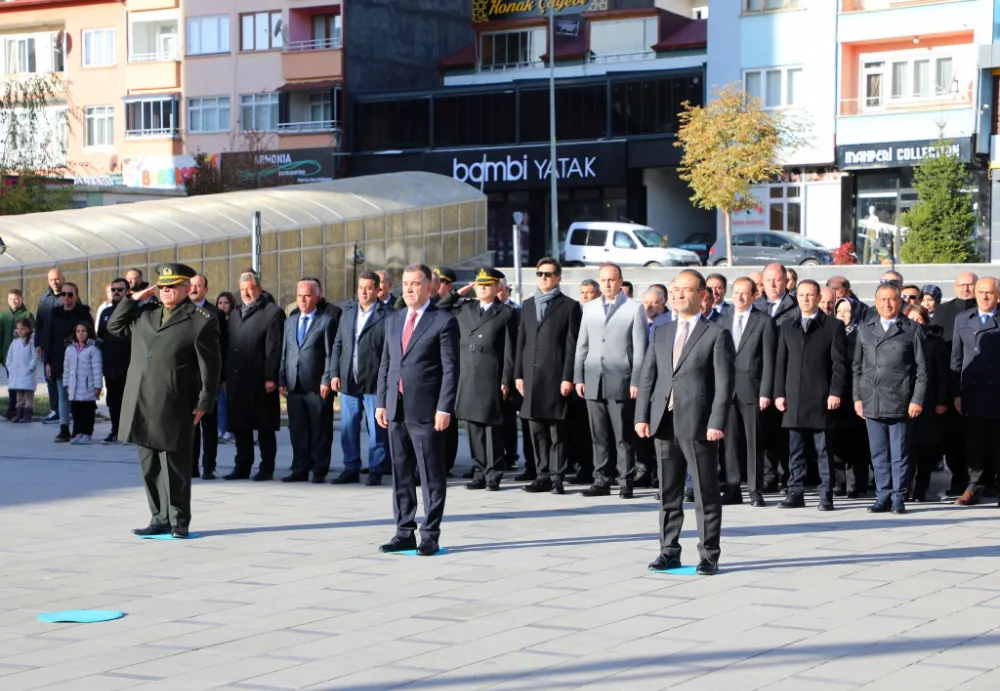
{"x":786,"y":386}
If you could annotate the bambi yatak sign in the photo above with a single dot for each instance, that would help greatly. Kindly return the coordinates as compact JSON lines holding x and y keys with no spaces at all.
{"x":494,"y":10}
{"x":523,"y":169}
{"x":575,"y":165}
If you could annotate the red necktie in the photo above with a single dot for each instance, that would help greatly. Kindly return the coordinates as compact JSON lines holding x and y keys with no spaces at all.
{"x":411,"y":323}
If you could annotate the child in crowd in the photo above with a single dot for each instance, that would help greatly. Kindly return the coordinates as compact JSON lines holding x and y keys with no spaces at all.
{"x":83,"y":375}
{"x":21,"y":364}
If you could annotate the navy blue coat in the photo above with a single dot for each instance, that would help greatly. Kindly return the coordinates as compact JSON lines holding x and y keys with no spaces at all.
{"x":975,"y":364}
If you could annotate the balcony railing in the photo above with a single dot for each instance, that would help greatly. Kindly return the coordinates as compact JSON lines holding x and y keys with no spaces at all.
{"x":888,"y":106}
{"x":165,"y":56}
{"x":308,"y":127}
{"x":332,"y":43}
{"x":510,"y":66}
{"x":872,"y":5}
{"x":152,"y":134}
{"x":623,"y":57}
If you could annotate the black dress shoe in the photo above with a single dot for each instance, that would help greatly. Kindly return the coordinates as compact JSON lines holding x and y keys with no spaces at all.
{"x":195,"y":473}
{"x":595,"y":491}
{"x":152,"y":530}
{"x":295,"y":477}
{"x":880,"y":507}
{"x":208,"y":475}
{"x":557,"y":488}
{"x":428,"y":548}
{"x":538,"y":486}
{"x":374,"y":480}
{"x":689,"y":495}
{"x":525,"y":477}
{"x":179,"y":533}
{"x":262,"y":477}
{"x":732,"y":498}
{"x":825,"y":506}
{"x":792,"y":501}
{"x":643,"y":481}
{"x":756,"y":500}
{"x":345,"y":478}
{"x":399,"y":544}
{"x":707,"y":567}
{"x":663,"y":563}
{"x":318,"y":479}
{"x":492,"y":486}
{"x":899,"y":508}
{"x":476,"y":484}
{"x":855,"y":494}
{"x":626,"y":493}
{"x":236,"y":476}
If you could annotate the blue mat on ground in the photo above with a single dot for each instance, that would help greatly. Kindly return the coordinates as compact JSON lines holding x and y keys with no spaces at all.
{"x":167,"y":536}
{"x":413,"y":552}
{"x":682,"y":571}
{"x":79,"y":616}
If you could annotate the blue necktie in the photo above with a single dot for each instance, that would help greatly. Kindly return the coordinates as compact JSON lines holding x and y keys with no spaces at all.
{"x":303,"y":326}
{"x":983,"y":318}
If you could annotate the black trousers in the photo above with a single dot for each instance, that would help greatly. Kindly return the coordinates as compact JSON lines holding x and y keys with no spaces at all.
{"x":613,"y":430}
{"x":83,"y":416}
{"x":744,"y":447}
{"x":417,"y":449}
{"x":548,"y":440}
{"x":676,"y":458}
{"x":580,"y":444}
{"x":116,"y":391}
{"x":803,"y":443}
{"x":775,"y":446}
{"x":268,"y":441}
{"x":209,"y":427}
{"x":852,"y":454}
{"x":310,"y":428}
{"x":511,"y":410}
{"x":486,"y":442}
{"x":982,"y":436}
{"x":167,"y":476}
{"x":924,"y":457}
{"x":955,"y":449}
{"x":450,"y":444}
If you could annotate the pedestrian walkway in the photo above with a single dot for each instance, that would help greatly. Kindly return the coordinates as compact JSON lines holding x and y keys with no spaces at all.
{"x":285,"y":589}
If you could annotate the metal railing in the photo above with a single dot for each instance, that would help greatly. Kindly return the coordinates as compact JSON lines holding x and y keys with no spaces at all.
{"x":887,"y":106}
{"x":165,"y":56}
{"x":623,"y":57}
{"x":148,"y":134}
{"x":332,"y":43}
{"x":510,"y":66}
{"x":308,"y":126}
{"x":871,"y":5}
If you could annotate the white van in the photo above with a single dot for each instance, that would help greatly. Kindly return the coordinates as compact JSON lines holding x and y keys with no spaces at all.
{"x":625,"y":244}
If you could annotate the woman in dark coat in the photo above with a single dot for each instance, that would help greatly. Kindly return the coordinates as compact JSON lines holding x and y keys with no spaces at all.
{"x":927,"y":430}
{"x":851,"y":453}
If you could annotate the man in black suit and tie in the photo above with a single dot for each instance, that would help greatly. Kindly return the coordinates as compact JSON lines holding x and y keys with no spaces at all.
{"x":417,"y":382}
{"x":975,"y":374}
{"x":304,"y":381}
{"x":754,"y":340}
{"x":208,"y":428}
{"x":809,"y":382}
{"x":685,"y":390}
{"x":717,"y":285}
{"x":357,"y":353}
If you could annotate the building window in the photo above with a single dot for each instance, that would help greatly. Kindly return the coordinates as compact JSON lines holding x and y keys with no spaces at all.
{"x":507,"y":50}
{"x":58,"y":52}
{"x":208,"y":35}
{"x":98,"y":47}
{"x":321,"y":107}
{"x":155,"y":117}
{"x":326,"y":31}
{"x":153,"y":40}
{"x":208,"y":115}
{"x":99,"y":124}
{"x":771,"y":5}
{"x":630,"y":39}
{"x":20,"y":56}
{"x":261,"y":31}
{"x":784,"y":209}
{"x":259,"y":112}
{"x":650,"y":106}
{"x":776,"y":87}
{"x":896,"y":79}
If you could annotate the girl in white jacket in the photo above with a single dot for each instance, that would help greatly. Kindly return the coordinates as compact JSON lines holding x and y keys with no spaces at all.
{"x":83,"y":376}
{"x":21,"y":364}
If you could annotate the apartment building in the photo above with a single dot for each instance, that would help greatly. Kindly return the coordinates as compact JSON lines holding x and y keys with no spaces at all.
{"x":622,"y":70}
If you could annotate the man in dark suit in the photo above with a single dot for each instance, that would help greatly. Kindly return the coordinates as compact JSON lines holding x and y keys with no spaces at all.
{"x":207,"y":431}
{"x":809,"y":380}
{"x":385,"y":295}
{"x":116,"y":354}
{"x":717,"y":286}
{"x":654,"y":300}
{"x":543,"y":373}
{"x":685,"y":391}
{"x":952,"y":422}
{"x":486,"y":376}
{"x":304,"y":381}
{"x":975,"y":373}
{"x":250,"y":371}
{"x":754,"y":341}
{"x":890,"y":387}
{"x":357,"y":353}
{"x":777,"y":303}
{"x":417,"y":381}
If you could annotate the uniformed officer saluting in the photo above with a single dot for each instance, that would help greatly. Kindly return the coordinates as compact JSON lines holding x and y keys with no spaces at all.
{"x":486,"y":356}
{"x":173,"y":380}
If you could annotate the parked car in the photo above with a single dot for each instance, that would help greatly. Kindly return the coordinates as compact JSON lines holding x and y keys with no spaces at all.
{"x":756,"y":248}
{"x":625,"y":244}
{"x":699,"y":243}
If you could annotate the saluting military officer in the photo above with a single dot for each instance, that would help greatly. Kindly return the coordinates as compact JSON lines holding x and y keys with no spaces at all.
{"x":488,"y":330}
{"x":173,"y":381}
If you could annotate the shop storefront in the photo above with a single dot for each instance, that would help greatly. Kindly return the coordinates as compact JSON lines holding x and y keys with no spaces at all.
{"x":880,"y":190}
{"x":593,"y":184}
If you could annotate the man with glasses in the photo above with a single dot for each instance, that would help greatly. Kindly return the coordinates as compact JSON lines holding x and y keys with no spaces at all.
{"x":116,"y":354}
{"x":173,"y":380}
{"x":911,"y":294}
{"x":50,"y":301}
{"x":59,"y":333}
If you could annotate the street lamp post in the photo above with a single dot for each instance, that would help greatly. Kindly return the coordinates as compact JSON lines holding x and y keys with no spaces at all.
{"x":553,"y":198}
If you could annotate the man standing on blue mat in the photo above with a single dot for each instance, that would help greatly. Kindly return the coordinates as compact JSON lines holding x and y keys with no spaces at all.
{"x":173,"y":380}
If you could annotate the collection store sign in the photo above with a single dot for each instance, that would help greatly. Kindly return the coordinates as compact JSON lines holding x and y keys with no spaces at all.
{"x":900,"y":154}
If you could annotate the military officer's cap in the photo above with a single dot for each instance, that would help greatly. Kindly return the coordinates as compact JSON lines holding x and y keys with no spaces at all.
{"x":488,"y":276}
{"x":171,"y":274}
{"x":446,"y":274}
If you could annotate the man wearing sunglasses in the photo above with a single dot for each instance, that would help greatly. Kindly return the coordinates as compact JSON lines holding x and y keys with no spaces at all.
{"x":117,"y":355}
{"x":60,"y":332}
{"x":911,"y":294}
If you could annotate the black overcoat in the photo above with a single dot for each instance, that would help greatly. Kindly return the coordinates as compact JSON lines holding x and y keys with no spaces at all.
{"x":253,"y":357}
{"x":545,"y":356}
{"x":810,"y":367}
{"x":486,"y":361}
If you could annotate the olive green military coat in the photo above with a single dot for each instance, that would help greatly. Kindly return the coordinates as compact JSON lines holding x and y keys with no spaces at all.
{"x":175,"y":369}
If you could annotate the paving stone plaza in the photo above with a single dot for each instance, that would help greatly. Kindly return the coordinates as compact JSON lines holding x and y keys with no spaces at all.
{"x":285,"y":589}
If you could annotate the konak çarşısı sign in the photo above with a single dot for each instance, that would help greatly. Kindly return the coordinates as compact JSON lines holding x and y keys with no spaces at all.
{"x":500,"y":10}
